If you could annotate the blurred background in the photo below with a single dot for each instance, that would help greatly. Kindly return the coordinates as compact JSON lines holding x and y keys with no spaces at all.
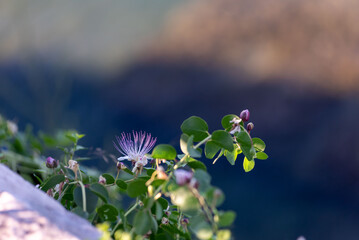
{"x":106,"y":67}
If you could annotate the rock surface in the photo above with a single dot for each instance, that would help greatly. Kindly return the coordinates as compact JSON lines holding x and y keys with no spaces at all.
{"x":28,"y":213}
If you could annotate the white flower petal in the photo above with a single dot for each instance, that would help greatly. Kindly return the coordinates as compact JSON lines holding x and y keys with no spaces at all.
{"x":122,"y":158}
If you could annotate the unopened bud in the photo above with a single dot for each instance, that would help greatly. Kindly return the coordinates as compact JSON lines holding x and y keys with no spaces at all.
{"x":217,"y":193}
{"x":120,"y":166}
{"x":184,"y":221}
{"x":183,"y":177}
{"x":102,"y":180}
{"x":194,"y":183}
{"x":250,"y":126}
{"x":140,"y":203}
{"x":51,"y":163}
{"x":161,"y":173}
{"x":244,"y":115}
{"x":168,"y":213}
{"x":165,"y":221}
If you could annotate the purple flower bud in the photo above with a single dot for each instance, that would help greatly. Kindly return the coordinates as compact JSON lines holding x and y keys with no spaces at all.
{"x":51,"y":163}
{"x":250,"y":126}
{"x":183,"y":177}
{"x":244,"y":115}
{"x":194,"y":183}
{"x":120,"y":166}
{"x":184,"y":221}
{"x":102,"y":180}
{"x":165,"y":221}
{"x":168,"y":213}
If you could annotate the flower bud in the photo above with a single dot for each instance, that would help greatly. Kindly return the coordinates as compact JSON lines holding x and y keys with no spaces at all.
{"x":102,"y":180}
{"x":120,"y":166}
{"x":168,"y":213}
{"x":183,"y":177}
{"x":161,"y":174}
{"x":184,"y":221}
{"x":12,"y":127}
{"x":194,"y":183}
{"x":250,"y":126}
{"x":165,"y":221}
{"x":51,"y":163}
{"x":140,"y":203}
{"x":244,"y":115}
{"x":218,"y":193}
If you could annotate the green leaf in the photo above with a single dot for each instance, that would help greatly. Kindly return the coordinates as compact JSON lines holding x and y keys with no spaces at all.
{"x":121,"y":184}
{"x":248,"y":165}
{"x":164,"y":151}
{"x":200,"y":227}
{"x":109,"y":178}
{"x":224,"y":235}
{"x":52,"y":182}
{"x":226,"y":124}
{"x":231,"y":155}
{"x":225,"y":219}
{"x":107,"y":212}
{"x":210,"y":149}
{"x":163,"y":202}
{"x":203,"y":178}
{"x":100,"y":191}
{"x":183,"y":198}
{"x":195,"y":164}
{"x":195,"y":126}
{"x":91,"y":199}
{"x":258,"y":144}
{"x":136,"y":188}
{"x":159,"y":211}
{"x":223,"y":139}
{"x":154,"y":224}
{"x":196,"y":153}
{"x":142,"y":223}
{"x":183,"y":143}
{"x":261,"y":155}
{"x":70,"y":173}
{"x":213,"y":198}
{"x":245,"y":142}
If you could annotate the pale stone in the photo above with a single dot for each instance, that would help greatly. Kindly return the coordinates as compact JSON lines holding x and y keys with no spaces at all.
{"x":27,"y":213}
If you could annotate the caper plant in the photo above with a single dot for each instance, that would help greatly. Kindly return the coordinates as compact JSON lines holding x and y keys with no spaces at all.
{"x":171,"y":192}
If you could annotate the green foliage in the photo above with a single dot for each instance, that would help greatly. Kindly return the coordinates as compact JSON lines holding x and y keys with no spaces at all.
{"x":191,"y":208}
{"x":195,"y":126}
{"x":164,"y":151}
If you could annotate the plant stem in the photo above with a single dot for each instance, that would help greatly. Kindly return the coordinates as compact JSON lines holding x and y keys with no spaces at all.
{"x":83,"y":196}
{"x":126,"y":214}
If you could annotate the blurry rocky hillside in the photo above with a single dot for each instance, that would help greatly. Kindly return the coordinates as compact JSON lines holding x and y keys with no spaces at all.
{"x":294,"y":64}
{"x":313,"y":41}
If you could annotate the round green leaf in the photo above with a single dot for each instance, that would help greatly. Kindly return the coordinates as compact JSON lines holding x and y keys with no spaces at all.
{"x":196,"y":153}
{"x":109,"y":178}
{"x":107,"y":212}
{"x":223,"y":139}
{"x":258,"y":144}
{"x":195,"y":126}
{"x":164,"y":151}
{"x":142,"y":222}
{"x":100,"y":191}
{"x":52,"y":182}
{"x":194,"y":164}
{"x":245,"y":142}
{"x":248,"y":165}
{"x":136,"y":188}
{"x":210,"y":149}
{"x":225,"y":219}
{"x":231,"y":156}
{"x":121,"y":184}
{"x":261,"y":155}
